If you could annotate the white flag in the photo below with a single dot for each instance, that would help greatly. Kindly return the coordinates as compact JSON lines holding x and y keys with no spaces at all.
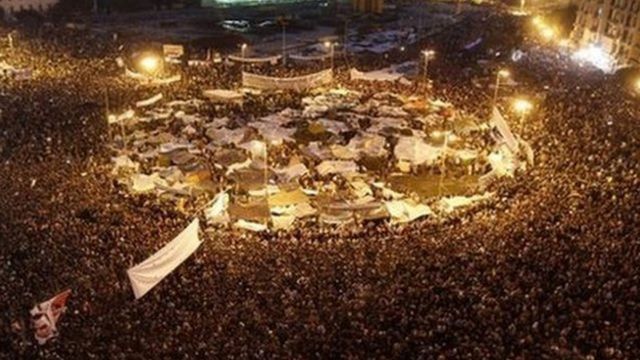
{"x":44,"y":316}
{"x":498,"y":121}
{"x":150,"y":272}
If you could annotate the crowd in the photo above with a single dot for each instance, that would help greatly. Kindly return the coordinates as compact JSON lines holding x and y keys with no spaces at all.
{"x":548,"y":270}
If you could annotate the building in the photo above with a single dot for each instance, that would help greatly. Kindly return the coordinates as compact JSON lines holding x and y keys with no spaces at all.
{"x":13,"y":6}
{"x":613,"y":25}
{"x":371,"y":6}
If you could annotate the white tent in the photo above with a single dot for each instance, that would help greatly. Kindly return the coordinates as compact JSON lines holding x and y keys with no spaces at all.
{"x":415,"y":151}
{"x":402,"y":211}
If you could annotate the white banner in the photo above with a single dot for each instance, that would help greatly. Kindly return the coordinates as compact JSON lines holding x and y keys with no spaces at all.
{"x":172,"y":51}
{"x":270,"y":59}
{"x":310,"y":81}
{"x":309,"y":57}
{"x":150,"y":272}
{"x":150,"y":101}
{"x":222,"y":95}
{"x":498,"y":121}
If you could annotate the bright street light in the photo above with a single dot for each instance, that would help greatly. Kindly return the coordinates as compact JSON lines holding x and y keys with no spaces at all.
{"x":150,"y":64}
{"x":547,"y":32}
{"x":331,"y":46}
{"x":537,"y":21}
{"x":523,"y":107}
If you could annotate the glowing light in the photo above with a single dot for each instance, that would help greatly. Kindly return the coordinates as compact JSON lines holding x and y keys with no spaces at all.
{"x":547,"y":33}
{"x":327,"y":44}
{"x":504,"y":73}
{"x":637,"y":85}
{"x":522,"y":106}
{"x":537,"y":21}
{"x":244,"y":46}
{"x":596,"y":56}
{"x":428,"y":53}
{"x":150,"y":64}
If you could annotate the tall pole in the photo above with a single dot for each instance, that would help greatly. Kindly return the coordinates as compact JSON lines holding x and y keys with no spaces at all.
{"x":266,"y":177}
{"x":442,"y":161}
{"x":426,"y":67}
{"x":284,"y":44}
{"x":522,"y":5}
{"x":495,"y":91}
{"x":332,"y":54}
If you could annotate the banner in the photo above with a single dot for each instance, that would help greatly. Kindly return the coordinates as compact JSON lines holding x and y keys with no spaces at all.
{"x":271,"y":59}
{"x":150,"y":272}
{"x":310,"y":57}
{"x":222,"y":95}
{"x":114,"y":119}
{"x":310,"y":81}
{"x":44,"y":316}
{"x":173,"y":51}
{"x":498,"y":121}
{"x":150,"y":101}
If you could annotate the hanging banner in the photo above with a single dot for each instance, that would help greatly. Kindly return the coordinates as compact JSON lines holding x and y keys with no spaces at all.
{"x":150,"y":272}
{"x":243,"y":59}
{"x":293,"y":83}
{"x":173,"y":51}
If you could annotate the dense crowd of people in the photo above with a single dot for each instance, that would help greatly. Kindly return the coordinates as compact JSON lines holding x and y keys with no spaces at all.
{"x":548,"y":270}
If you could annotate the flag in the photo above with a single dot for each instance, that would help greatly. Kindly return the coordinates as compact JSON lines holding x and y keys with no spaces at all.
{"x":150,"y":272}
{"x":498,"y":121}
{"x":45,"y":316}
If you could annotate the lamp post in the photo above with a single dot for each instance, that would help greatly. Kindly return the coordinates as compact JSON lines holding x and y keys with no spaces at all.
{"x":243,"y":49}
{"x":522,"y":107}
{"x":522,"y":6}
{"x":503,"y":73}
{"x":331,"y":46}
{"x":428,"y":55}
{"x":284,"y":43}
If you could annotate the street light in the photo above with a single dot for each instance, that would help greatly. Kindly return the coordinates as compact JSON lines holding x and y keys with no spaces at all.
{"x":522,"y":107}
{"x":331,"y":46}
{"x":150,"y":64}
{"x":243,"y":48}
{"x":547,"y":32}
{"x":428,"y":55}
{"x":503,"y":73}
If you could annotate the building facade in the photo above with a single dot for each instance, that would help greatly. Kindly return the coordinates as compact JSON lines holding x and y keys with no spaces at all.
{"x":614,"y":25}
{"x":13,"y":6}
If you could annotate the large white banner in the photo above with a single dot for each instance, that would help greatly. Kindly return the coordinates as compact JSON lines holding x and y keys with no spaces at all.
{"x":172,"y":50}
{"x":270,"y":59}
{"x":310,"y":81}
{"x":498,"y":121}
{"x":150,"y":272}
